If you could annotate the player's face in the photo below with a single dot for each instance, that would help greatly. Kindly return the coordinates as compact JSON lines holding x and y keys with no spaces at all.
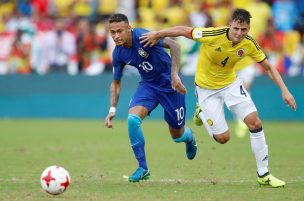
{"x":120,"y":32}
{"x":238,"y":31}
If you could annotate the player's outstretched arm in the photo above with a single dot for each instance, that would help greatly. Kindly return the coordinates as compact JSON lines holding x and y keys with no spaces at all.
{"x":175,"y":57}
{"x":114,"y":97}
{"x":151,"y":38}
{"x":276,"y":77}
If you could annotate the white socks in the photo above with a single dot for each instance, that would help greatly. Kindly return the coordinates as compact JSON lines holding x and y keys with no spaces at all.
{"x":260,"y":150}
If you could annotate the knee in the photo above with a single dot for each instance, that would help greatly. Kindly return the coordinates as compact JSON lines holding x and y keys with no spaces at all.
{"x":134,"y":130}
{"x":222,"y":138}
{"x":176,"y":133}
{"x":134,"y":121}
{"x":255,"y":124}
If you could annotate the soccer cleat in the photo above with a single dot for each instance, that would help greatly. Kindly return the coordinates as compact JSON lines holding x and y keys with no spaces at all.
{"x":191,"y":148}
{"x":196,"y":119}
{"x":139,"y":174}
{"x":270,"y":181}
{"x":240,"y":129}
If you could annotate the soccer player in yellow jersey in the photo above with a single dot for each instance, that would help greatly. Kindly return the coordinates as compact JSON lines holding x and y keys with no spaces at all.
{"x":217,"y":84}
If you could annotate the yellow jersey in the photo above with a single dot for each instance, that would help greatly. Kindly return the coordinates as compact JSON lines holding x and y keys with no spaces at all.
{"x":217,"y":57}
{"x":243,"y":63}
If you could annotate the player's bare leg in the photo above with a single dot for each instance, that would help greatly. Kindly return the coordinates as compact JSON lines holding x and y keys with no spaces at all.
{"x":222,"y":138}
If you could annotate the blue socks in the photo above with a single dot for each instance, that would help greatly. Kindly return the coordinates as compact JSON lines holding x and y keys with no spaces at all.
{"x":186,"y":137}
{"x":137,"y":140}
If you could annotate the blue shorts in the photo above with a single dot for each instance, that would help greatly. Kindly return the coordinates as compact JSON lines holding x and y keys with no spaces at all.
{"x":172,"y":102}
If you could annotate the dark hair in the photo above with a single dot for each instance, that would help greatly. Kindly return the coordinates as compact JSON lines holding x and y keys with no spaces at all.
{"x":118,"y":17}
{"x":241,"y":15}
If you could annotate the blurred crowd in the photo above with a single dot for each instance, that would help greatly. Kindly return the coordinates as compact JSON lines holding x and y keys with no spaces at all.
{"x":71,"y":36}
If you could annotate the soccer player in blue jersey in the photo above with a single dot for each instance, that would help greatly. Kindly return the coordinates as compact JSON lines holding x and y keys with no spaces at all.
{"x":160,"y":84}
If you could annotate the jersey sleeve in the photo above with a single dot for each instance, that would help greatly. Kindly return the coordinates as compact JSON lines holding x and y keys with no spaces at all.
{"x":140,"y":31}
{"x":117,"y":66}
{"x":160,"y":42}
{"x":256,"y":52}
{"x":259,"y":56}
{"x":205,"y":35}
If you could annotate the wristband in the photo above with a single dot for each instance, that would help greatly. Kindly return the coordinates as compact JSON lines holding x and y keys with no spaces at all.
{"x":112,"y":109}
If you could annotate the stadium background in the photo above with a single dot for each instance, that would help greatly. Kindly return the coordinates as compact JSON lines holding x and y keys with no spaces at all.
{"x":55,"y":56}
{"x":63,"y":96}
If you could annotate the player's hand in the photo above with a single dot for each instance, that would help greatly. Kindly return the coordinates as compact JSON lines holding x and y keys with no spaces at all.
{"x":149,"y":39}
{"x":289,"y":100}
{"x":110,"y":116}
{"x":177,"y":84}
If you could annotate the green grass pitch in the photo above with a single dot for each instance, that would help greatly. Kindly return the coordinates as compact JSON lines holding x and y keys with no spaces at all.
{"x":97,"y":158}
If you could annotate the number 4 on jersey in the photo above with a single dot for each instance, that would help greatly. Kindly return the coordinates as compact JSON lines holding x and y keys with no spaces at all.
{"x":224,"y":61}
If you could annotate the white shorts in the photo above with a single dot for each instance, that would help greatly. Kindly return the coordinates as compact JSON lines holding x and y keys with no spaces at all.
{"x":236,"y":98}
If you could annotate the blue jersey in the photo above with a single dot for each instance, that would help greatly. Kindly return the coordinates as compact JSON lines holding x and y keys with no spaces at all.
{"x":153,"y":63}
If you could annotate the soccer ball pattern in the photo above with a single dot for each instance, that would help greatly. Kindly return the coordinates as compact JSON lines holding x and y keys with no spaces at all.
{"x":55,"y":180}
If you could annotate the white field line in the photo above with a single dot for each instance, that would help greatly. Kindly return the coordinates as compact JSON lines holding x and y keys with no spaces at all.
{"x":204,"y":181}
{"x":164,"y":180}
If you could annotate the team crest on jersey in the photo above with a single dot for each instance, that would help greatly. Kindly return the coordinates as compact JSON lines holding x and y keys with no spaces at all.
{"x":142,"y":53}
{"x":240,"y":52}
{"x":210,"y":122}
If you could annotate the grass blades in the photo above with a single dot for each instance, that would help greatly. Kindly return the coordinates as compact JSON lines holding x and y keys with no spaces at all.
{"x":97,"y":158}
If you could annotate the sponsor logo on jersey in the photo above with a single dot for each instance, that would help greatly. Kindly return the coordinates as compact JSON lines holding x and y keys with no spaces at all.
{"x":240,"y":52}
{"x":142,"y":53}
